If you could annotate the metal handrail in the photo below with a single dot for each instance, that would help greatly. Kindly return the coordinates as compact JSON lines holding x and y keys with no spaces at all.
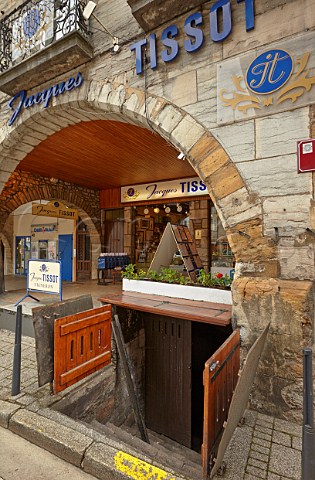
{"x":35,"y":25}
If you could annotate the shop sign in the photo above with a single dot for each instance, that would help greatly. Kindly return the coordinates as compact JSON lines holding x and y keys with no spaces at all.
{"x":21,"y":101}
{"x":189,"y":187}
{"x":54,"y":209}
{"x":274,"y":80}
{"x":44,"y":228}
{"x":306,"y":155}
{"x":220,"y":16}
{"x":44,"y":276}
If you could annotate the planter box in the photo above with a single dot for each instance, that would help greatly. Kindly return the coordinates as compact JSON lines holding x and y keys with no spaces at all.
{"x":186,"y":292}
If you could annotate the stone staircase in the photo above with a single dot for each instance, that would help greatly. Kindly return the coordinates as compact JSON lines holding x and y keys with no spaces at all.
{"x":163,"y":450}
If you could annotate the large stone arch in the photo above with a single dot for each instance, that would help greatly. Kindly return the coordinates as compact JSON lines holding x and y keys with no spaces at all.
{"x":24,"y":187}
{"x":260,"y":294}
{"x":103,"y":100}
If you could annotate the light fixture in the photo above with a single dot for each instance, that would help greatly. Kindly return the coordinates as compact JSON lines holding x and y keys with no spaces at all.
{"x":179,"y":207}
{"x":116,"y":46}
{"x":146,"y":211}
{"x":181,"y":156}
{"x":88,"y":12}
{"x":156,"y":210}
{"x":167,"y":209}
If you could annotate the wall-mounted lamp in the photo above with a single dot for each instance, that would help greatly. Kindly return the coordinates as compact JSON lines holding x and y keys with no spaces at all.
{"x":181,"y":156}
{"x":156,"y":210}
{"x":88,"y":12}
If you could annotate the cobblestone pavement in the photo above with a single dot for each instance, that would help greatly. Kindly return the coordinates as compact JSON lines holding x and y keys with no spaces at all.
{"x":262,"y":448}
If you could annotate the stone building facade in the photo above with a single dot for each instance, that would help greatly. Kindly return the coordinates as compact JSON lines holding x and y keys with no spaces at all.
{"x":242,"y":143}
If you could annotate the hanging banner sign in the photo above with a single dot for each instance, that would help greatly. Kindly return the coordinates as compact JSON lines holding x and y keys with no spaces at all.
{"x":44,"y":276}
{"x":54,"y":209}
{"x":189,"y":187}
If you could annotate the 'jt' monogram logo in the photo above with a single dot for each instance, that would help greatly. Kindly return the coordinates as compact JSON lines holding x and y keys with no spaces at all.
{"x":269,"y":71}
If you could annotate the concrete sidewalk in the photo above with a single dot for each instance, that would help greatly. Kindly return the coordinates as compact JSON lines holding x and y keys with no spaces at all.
{"x":262,"y":448}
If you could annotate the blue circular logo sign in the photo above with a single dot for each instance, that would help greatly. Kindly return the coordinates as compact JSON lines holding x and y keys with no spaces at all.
{"x":130,"y":192}
{"x":31,"y":23}
{"x":269,"y":72}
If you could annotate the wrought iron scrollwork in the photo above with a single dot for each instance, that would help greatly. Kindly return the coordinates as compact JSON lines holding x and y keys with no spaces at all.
{"x":35,"y":25}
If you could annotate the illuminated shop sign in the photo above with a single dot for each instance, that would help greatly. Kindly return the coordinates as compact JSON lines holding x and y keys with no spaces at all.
{"x":44,"y":228}
{"x":194,"y":34}
{"x":189,"y":187}
{"x":21,"y":100}
{"x":54,"y":209}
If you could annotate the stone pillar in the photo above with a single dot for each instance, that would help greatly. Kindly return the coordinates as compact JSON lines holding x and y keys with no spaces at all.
{"x":289,"y":307}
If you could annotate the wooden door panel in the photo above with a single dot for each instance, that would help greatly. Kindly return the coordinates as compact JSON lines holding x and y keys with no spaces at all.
{"x":219,"y":379}
{"x":168,"y":377}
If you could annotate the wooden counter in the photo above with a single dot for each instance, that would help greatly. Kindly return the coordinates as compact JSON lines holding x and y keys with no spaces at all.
{"x":196,"y":311}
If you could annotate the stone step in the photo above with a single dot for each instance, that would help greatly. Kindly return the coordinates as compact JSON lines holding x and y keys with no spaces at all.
{"x":177,"y":459}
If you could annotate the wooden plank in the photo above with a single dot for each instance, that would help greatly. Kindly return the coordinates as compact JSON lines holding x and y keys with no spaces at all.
{"x":74,"y":326}
{"x":129,"y":379}
{"x":103,"y":359}
{"x":208,"y":312}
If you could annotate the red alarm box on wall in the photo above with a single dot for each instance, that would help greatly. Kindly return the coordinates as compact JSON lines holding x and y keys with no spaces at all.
{"x":306,"y":155}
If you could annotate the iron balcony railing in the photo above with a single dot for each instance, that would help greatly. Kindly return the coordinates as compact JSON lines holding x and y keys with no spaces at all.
{"x":37,"y":24}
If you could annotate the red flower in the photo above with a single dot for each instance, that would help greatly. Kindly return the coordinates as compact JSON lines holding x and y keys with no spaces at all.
{"x":220,"y":275}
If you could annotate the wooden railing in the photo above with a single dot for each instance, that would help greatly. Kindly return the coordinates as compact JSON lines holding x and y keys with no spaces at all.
{"x":82,"y":345}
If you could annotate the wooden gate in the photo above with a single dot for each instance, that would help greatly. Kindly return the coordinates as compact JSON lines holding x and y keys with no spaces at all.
{"x":82,"y":345}
{"x":168,"y":377}
{"x":219,"y":379}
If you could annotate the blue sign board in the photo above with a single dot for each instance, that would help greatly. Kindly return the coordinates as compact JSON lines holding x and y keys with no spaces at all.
{"x":269,"y":71}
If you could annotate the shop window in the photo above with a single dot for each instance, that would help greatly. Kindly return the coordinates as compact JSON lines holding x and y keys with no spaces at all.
{"x":222,"y":258}
{"x":151,"y":221}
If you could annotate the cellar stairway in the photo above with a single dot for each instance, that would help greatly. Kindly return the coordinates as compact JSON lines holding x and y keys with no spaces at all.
{"x":161,"y":450}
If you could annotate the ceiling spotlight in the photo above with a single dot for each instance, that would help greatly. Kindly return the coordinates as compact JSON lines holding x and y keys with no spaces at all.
{"x":179,"y":208}
{"x":88,"y":10}
{"x":181,"y":156}
{"x":146,"y":211}
{"x":156,"y":210}
{"x":167,"y":210}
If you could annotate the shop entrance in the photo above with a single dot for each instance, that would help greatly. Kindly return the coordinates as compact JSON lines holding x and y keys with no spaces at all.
{"x":22,"y":254}
{"x":175,"y":356}
{"x":65,"y":245}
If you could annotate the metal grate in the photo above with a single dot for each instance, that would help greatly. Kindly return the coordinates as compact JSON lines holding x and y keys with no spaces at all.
{"x":35,"y":25}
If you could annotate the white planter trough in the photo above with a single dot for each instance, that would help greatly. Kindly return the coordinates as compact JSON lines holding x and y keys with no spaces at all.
{"x":186,"y":292}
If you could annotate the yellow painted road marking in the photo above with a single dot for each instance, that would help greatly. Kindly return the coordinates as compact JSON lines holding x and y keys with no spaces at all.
{"x":138,"y":469}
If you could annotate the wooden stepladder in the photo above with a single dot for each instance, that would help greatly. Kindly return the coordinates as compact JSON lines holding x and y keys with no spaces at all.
{"x":82,"y":345}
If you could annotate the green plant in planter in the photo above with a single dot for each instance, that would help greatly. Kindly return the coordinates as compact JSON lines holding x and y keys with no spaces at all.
{"x":129,"y":272}
{"x":153,"y":275}
{"x":206,"y":279}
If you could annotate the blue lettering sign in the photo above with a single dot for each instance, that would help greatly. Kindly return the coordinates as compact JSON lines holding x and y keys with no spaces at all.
{"x":195,"y":33}
{"x":20,"y":100}
{"x":270,"y":71}
{"x":168,"y":41}
{"x":195,"y":36}
{"x":225,"y":6}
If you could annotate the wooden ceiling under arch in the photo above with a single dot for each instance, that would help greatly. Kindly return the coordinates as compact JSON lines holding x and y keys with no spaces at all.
{"x":106,"y":154}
